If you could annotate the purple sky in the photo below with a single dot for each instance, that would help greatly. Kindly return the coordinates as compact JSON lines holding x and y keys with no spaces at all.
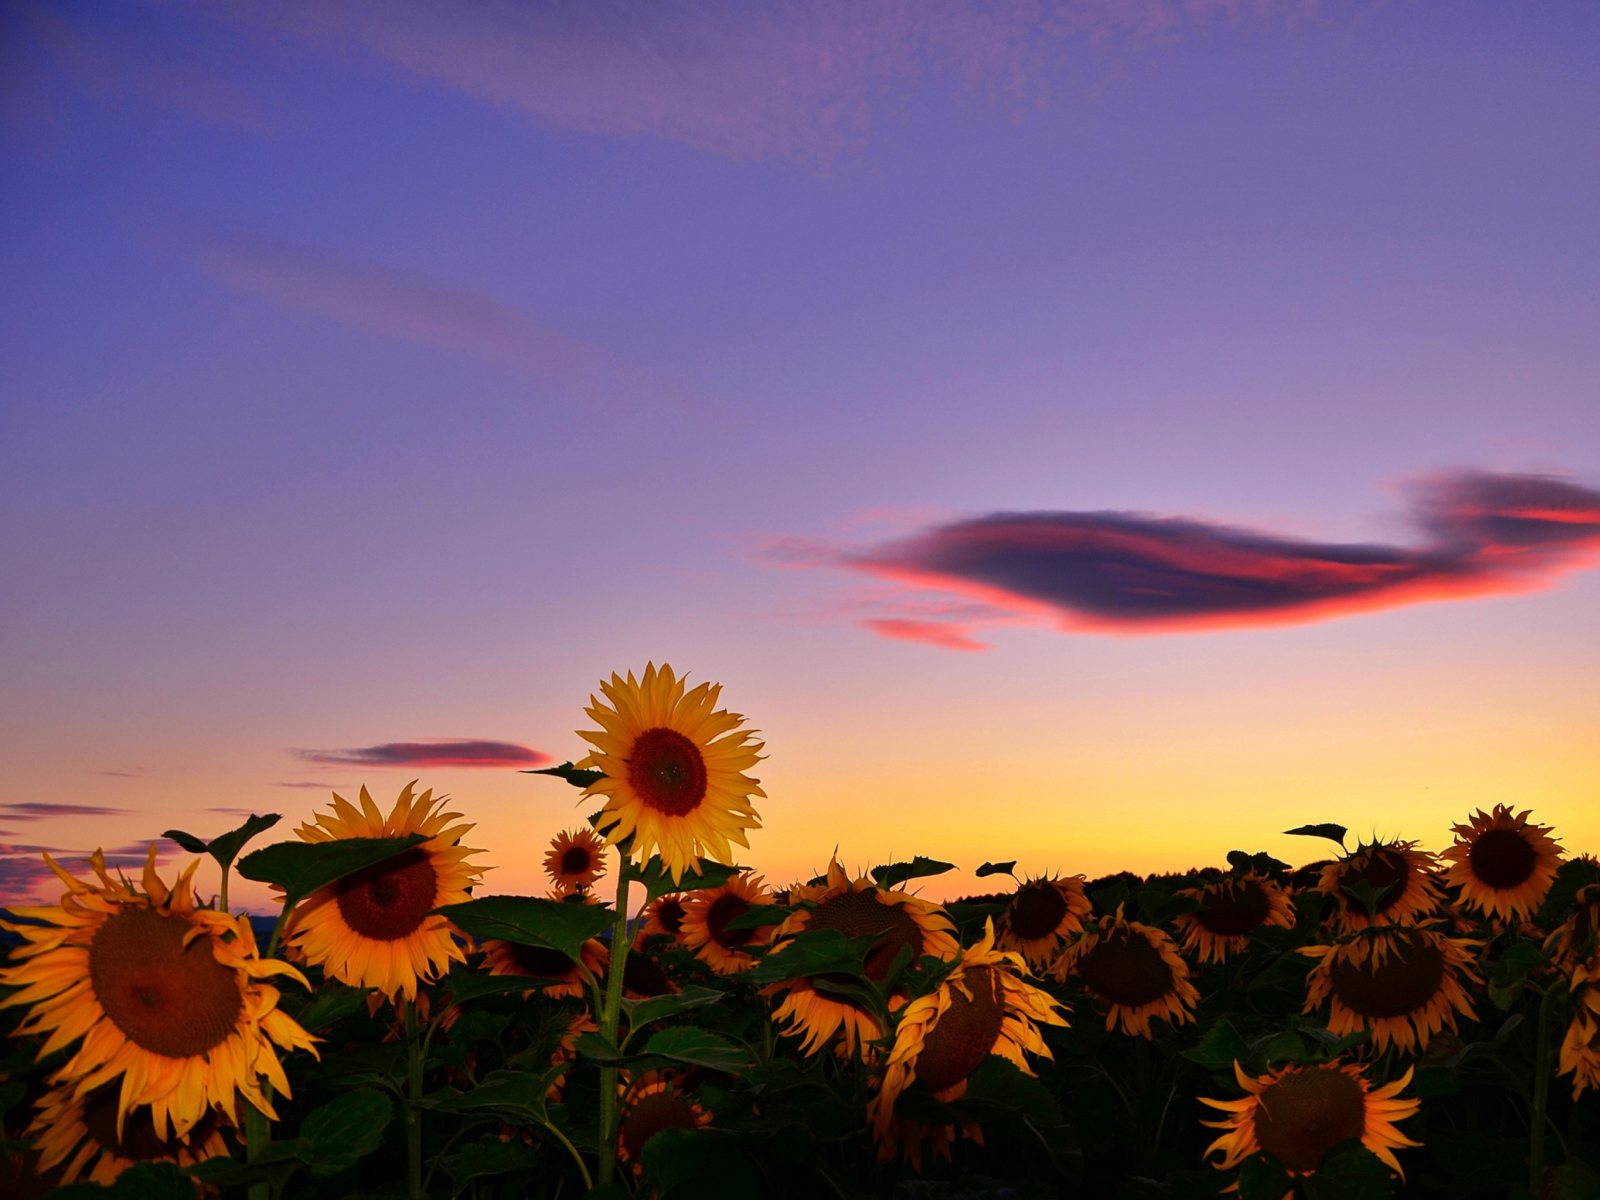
{"x":375,"y":378}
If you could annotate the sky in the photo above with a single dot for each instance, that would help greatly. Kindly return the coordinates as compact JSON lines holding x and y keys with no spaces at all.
{"x":1100,"y":433}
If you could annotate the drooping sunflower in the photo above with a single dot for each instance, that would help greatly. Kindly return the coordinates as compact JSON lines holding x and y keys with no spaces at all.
{"x":983,"y":1007}
{"x":1298,"y":1114}
{"x":1575,"y":945}
{"x":1503,"y":865}
{"x":654,"y":1103}
{"x":1580,"y":1049}
{"x":83,"y":1132}
{"x":705,"y":924}
{"x":673,"y":769}
{"x":543,"y":962}
{"x":164,"y":995}
{"x":1041,"y":915}
{"x":1230,"y":911}
{"x":575,"y":860}
{"x":1135,"y":969}
{"x":1407,"y":873}
{"x":665,"y":915}
{"x":857,"y":908}
{"x":1402,"y":984}
{"x":373,"y":929}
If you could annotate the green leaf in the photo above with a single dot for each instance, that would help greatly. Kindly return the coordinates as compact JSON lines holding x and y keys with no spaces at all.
{"x":142,"y":1181}
{"x":344,"y":1131}
{"x":658,"y":881}
{"x":1364,"y":894}
{"x":815,"y":952}
{"x":1573,"y":1180}
{"x":1572,"y":876}
{"x":300,"y":868}
{"x":515,"y":1095}
{"x":1108,"y":899}
{"x":331,"y":1004}
{"x":998,"y":1087}
{"x":577,"y":778}
{"x":691,"y":1164}
{"x":698,"y":1048}
{"x":1262,"y":1177}
{"x":990,"y":868}
{"x":918,"y":868}
{"x":187,"y":840}
{"x":656,"y":1008}
{"x":1334,"y":833}
{"x":601,"y":1049}
{"x":226,"y":847}
{"x":760,"y":915}
{"x":1220,"y":1048}
{"x":1349,"y":1171}
{"x":466,"y":986}
{"x":481,"y":1160}
{"x":531,"y":921}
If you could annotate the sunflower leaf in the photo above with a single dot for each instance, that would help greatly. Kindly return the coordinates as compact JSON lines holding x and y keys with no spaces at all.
{"x":142,"y":1181}
{"x":1262,"y":1177}
{"x":482,"y":1160}
{"x":187,"y":840}
{"x":1334,"y":833}
{"x":344,"y":1131}
{"x":1574,"y":874}
{"x":761,"y":915}
{"x":918,"y":868}
{"x":1349,"y":1171}
{"x":531,"y":921}
{"x":698,"y":1048}
{"x":300,"y":868}
{"x":225,"y":847}
{"x":692,"y":1164}
{"x":573,"y":775}
{"x":518,"y":1095}
{"x":658,"y":881}
{"x":990,"y":868}
{"x":329,"y":1005}
{"x":466,"y":986}
{"x":815,"y":952}
{"x":1220,"y":1048}
{"x":642,"y":1012}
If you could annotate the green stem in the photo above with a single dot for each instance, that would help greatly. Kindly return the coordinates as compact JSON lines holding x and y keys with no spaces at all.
{"x":576,"y":1157}
{"x":1541,"y":1095}
{"x":414,"y":1054}
{"x":258,"y":1132}
{"x":223,"y":900}
{"x":609,"y":1016}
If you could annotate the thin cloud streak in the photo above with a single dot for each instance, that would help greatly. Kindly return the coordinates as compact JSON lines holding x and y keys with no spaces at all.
{"x":432,"y":752}
{"x":25,"y":877}
{"x":33,"y":811}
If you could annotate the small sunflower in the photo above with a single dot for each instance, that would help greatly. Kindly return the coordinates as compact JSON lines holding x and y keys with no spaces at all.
{"x":162,"y":994}
{"x":857,"y":908}
{"x":1402,"y":984}
{"x":82,"y":1131}
{"x":1580,"y":1049}
{"x":1298,"y":1114}
{"x":1503,"y":865}
{"x":1406,"y":872}
{"x":982,"y":1007}
{"x":1230,"y":911}
{"x":673,"y":769}
{"x":705,"y":924}
{"x":642,"y":976}
{"x":543,"y":962}
{"x":665,"y":915}
{"x":654,"y":1103}
{"x":575,"y":860}
{"x":372,"y":929}
{"x":1135,"y":969}
{"x":1041,"y":915}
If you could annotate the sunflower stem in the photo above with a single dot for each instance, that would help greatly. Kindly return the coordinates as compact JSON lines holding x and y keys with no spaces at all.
{"x":1541,"y":1095}
{"x":414,"y":1055}
{"x":258,"y":1132}
{"x":609,"y":1017}
{"x":223,"y":899}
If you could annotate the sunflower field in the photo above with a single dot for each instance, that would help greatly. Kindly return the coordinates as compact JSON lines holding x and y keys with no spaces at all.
{"x":663,"y":1022}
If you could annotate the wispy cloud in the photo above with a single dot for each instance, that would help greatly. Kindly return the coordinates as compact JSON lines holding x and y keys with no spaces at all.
{"x":308,"y":784}
{"x":415,"y":308}
{"x":24,"y":876}
{"x":1120,"y":572}
{"x":432,"y":752}
{"x":124,"y":773}
{"x":29,"y":810}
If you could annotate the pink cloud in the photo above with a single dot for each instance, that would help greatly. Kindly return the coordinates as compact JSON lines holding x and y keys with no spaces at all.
{"x":932,"y":633}
{"x":432,"y":752}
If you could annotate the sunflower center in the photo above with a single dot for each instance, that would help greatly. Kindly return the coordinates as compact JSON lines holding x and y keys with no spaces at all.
{"x":1502,"y":858}
{"x":856,"y":914}
{"x":670,"y":914}
{"x":667,"y":771}
{"x":643,"y":976}
{"x":1409,"y":977}
{"x":541,"y":962}
{"x":725,"y":908}
{"x":651,"y":1114}
{"x":1383,"y":867}
{"x":168,"y":998}
{"x":389,"y":900}
{"x":965,"y":1033}
{"x":1126,"y":969}
{"x":1037,"y":910}
{"x":1304,"y":1115}
{"x":1234,"y":909}
{"x":576,"y":860}
{"x":138,"y":1141}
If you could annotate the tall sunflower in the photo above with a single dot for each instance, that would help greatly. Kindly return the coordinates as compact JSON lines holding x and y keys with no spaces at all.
{"x":542,"y":962}
{"x":1135,"y":970}
{"x":1406,"y":872}
{"x":575,"y":860}
{"x":1230,"y":911}
{"x":83,"y":1131}
{"x":705,"y":924}
{"x":983,"y":1007}
{"x":1402,"y":984}
{"x":1040,"y":916}
{"x":1298,"y":1114}
{"x":653,"y":1104}
{"x":856,"y":908}
{"x":164,"y":995}
{"x":1504,"y":865}
{"x":373,"y":929}
{"x":672,"y":768}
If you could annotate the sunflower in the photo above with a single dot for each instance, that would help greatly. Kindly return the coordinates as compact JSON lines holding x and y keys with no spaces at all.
{"x":1135,"y":969}
{"x":575,"y":860}
{"x":857,"y":908}
{"x":673,"y":769}
{"x":372,"y":929}
{"x":982,"y":1007}
{"x":1298,"y":1114}
{"x":1402,"y":984}
{"x":642,"y":976}
{"x":1230,"y":911}
{"x":665,"y":915}
{"x":163,"y":994}
{"x":1042,"y":914}
{"x":654,"y":1103}
{"x":705,"y":924}
{"x":1406,"y":872}
{"x":1580,"y":1049}
{"x":84,"y":1132}
{"x":543,"y":962}
{"x":566,"y":1050}
{"x":1574,"y":944}
{"x":1503,"y":865}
